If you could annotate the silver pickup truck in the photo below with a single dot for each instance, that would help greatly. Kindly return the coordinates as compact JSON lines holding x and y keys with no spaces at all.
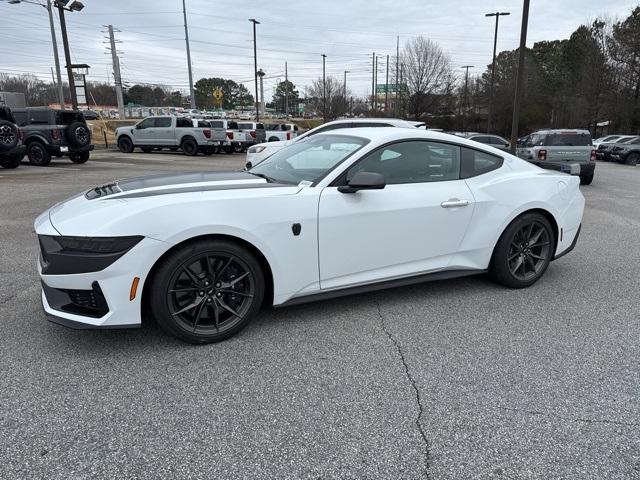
{"x":156,"y":133}
{"x":565,"y":150}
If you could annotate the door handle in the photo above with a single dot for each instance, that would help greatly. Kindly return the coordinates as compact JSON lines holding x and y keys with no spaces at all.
{"x":454,"y":202}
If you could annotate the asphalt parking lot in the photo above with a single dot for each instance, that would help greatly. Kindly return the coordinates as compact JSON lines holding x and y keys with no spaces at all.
{"x":455,"y":379}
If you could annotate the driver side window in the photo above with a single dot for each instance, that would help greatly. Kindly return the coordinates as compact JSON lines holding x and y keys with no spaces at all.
{"x":412,"y":162}
{"x":147,"y":123}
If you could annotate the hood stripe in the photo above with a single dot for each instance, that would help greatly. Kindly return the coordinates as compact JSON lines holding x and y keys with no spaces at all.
{"x":199,"y":188}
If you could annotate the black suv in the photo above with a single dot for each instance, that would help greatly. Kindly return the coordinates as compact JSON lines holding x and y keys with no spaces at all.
{"x":11,"y":147}
{"x":47,"y":132}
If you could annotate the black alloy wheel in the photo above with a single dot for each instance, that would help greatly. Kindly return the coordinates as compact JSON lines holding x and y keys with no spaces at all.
{"x":125,"y":145}
{"x":190,"y":147}
{"x":79,"y":157}
{"x":632,"y":159}
{"x":207,"y":291}
{"x":523,"y":252}
{"x":38,"y":154}
{"x":9,"y":136}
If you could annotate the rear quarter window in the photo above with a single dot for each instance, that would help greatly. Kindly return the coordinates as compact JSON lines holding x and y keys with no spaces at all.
{"x":475,"y":162}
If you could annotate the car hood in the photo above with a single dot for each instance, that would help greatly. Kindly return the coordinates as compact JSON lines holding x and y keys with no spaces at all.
{"x":125,"y":204}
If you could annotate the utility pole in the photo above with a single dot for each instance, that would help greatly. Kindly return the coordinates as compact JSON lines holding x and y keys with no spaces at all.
{"x":344,"y":85}
{"x":324,"y":89}
{"x":55,"y":56}
{"x":186,"y":38}
{"x":386,"y":88}
{"x":261,"y":74}
{"x":375,"y":84}
{"x":397,"y":66}
{"x":466,"y":91}
{"x":402,"y":93}
{"x":116,"y":72}
{"x":493,"y":66}
{"x":519,"y":82}
{"x":286,"y":91}
{"x":67,"y":57}
{"x":373,"y":81}
{"x":255,"y":65}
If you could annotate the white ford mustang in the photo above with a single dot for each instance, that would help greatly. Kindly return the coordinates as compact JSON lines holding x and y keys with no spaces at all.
{"x":337,"y":213}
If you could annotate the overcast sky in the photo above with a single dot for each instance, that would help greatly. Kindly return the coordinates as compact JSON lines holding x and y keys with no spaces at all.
{"x":153,"y":47}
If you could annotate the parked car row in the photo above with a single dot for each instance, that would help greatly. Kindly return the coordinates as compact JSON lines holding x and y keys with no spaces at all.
{"x":42,"y":133}
{"x":619,"y":148}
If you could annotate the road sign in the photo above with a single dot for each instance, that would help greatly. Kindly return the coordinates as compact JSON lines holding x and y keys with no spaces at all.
{"x":218,"y":94}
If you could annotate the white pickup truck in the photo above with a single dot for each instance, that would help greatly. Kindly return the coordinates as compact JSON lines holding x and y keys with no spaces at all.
{"x":171,"y":132}
{"x":281,"y":132}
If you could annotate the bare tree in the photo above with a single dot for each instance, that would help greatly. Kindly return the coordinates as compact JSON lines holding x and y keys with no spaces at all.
{"x":337,"y":104}
{"x":427,"y":74}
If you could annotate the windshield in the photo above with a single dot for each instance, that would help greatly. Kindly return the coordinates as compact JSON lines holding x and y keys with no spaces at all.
{"x":626,"y":140}
{"x":308,"y":160}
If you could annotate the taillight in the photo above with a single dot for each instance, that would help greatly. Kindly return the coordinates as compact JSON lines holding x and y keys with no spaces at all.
{"x":288,"y":135}
{"x":55,"y":134}
{"x":542,"y":154}
{"x":207,"y":132}
{"x":230,"y":135}
{"x":593,"y":156}
{"x":253,"y":133}
{"x":22,"y":135}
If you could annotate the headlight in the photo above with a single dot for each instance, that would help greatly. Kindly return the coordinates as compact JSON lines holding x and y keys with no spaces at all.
{"x":51,"y":243}
{"x":256,"y":149}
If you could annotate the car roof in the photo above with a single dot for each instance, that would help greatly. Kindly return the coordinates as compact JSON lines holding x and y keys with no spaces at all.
{"x":396,"y":122}
{"x":389,"y":134}
{"x":562,"y":130}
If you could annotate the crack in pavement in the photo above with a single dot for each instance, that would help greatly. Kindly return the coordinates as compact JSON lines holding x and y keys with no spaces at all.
{"x":568,"y":419}
{"x":413,"y":384}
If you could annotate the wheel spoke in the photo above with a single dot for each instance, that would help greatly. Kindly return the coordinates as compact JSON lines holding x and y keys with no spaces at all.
{"x":537,"y":257}
{"x":511,"y":257}
{"x":185,"y":289}
{"x":234,"y":281}
{"x":210,"y":271}
{"x":537,"y":236}
{"x":528,"y":234}
{"x":540,"y":244}
{"x":517,"y":265}
{"x":191,"y":306}
{"x":227,"y":308}
{"x":235,"y":292}
{"x":224,"y":268}
{"x":191,"y":275}
{"x":198,"y":315}
{"x":216,"y":314}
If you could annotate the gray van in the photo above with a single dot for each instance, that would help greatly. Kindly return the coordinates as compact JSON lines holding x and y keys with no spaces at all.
{"x":560,"y":149}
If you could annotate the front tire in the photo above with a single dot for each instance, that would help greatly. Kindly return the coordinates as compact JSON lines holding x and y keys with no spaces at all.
{"x":207,"y":291}
{"x":523,"y":252}
{"x":632,"y":159}
{"x":38,"y":155}
{"x":11,"y":162}
{"x":125,"y":145}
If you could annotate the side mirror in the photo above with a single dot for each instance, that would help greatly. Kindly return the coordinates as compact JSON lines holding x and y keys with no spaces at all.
{"x":364,"y":181}
{"x":138,"y":126}
{"x":248,"y":165}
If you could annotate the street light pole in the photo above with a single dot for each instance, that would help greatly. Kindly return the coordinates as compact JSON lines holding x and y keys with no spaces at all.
{"x":518,"y":93}
{"x":344,"y":86}
{"x":324,"y":90}
{"x":186,"y":38}
{"x":386,"y":88}
{"x":466,"y":101}
{"x":493,"y":66}
{"x":255,"y":65}
{"x":67,"y":57}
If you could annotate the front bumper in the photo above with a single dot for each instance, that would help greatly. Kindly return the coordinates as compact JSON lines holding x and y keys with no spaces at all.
{"x":101,"y":299}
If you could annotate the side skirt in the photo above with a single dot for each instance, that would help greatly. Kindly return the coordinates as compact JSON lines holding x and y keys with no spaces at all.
{"x":372,"y":287}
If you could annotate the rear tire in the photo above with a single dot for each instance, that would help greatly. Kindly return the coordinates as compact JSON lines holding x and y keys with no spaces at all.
{"x":206,"y":291}
{"x":274,"y":139}
{"x":586,"y":179}
{"x":38,"y":155}
{"x":523,"y":251}
{"x":125,"y":145}
{"x":81,"y":157}
{"x":228,"y":149}
{"x":190,"y":147}
{"x":11,"y":162}
{"x":632,"y":159}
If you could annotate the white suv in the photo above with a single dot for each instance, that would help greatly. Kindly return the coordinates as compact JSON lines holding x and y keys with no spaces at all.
{"x":259,"y":152}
